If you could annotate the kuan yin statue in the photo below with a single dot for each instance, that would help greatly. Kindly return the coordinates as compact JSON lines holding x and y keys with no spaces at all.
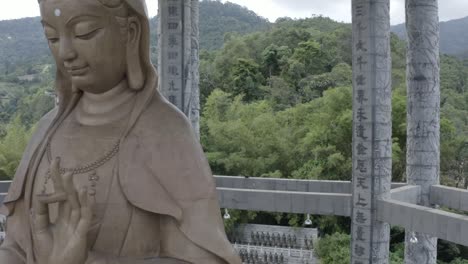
{"x":114,"y":174}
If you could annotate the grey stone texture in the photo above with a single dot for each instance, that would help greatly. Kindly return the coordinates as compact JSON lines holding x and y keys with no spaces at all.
{"x":178,"y":60}
{"x":423,"y":130}
{"x":429,"y":221}
{"x":408,"y":194}
{"x":275,"y":244}
{"x":285,"y":201}
{"x":372,"y":126}
{"x":276,"y":184}
{"x":452,"y":198}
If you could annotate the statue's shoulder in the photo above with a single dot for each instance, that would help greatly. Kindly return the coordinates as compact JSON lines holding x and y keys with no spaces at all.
{"x":46,"y":120}
{"x":162,"y":117}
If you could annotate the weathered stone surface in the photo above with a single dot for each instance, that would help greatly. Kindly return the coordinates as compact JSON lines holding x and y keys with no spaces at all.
{"x":372,"y":150}
{"x":423,"y":147}
{"x":179,"y":56}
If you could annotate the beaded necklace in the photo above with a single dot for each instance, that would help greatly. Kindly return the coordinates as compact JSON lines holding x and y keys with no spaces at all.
{"x":93,"y":177}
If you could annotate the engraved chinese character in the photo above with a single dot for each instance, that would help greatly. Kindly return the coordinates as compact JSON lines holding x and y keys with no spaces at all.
{"x":359,"y":10}
{"x":361,"y":27}
{"x":361,"y":80}
{"x":173,"y":70}
{"x":361,"y":201}
{"x":172,"y":99}
{"x":172,"y":86}
{"x":173,"y":11}
{"x":361,"y":114}
{"x":361,"y":149}
{"x":359,"y":250}
{"x":173,"y":41}
{"x":361,"y":62}
{"x":361,"y":182}
{"x":361,"y":96}
{"x":360,"y":234}
{"x":360,"y":218}
{"x":361,"y":166}
{"x":360,"y":46}
{"x":172,"y":25}
{"x":173,"y":55}
{"x":361,"y":131}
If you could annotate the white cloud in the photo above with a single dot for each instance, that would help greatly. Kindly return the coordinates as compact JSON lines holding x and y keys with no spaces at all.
{"x":339,"y":10}
{"x":18,"y":9}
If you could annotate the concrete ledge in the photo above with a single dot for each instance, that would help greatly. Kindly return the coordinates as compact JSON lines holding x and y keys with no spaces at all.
{"x":278,"y":184}
{"x":285,"y":201}
{"x":293,"y":185}
{"x":444,"y":225}
{"x":408,"y":193}
{"x":452,"y":198}
{"x":4,"y":185}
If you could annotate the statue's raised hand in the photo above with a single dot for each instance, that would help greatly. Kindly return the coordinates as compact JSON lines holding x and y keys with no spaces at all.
{"x":65,"y":240}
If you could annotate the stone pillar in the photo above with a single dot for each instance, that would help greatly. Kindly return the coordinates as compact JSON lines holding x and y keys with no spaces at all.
{"x":372,"y":129}
{"x":178,"y":59}
{"x":423,"y":147}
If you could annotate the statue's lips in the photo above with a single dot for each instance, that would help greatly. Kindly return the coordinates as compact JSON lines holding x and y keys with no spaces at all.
{"x":77,"y":71}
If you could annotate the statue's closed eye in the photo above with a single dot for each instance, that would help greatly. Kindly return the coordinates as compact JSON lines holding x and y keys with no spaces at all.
{"x":88,"y":35}
{"x":86,"y":29}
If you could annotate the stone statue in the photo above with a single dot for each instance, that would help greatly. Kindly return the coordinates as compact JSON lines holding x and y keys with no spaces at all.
{"x":115,"y":173}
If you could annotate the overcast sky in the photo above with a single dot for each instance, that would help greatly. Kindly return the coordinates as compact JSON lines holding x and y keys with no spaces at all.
{"x":339,"y":10}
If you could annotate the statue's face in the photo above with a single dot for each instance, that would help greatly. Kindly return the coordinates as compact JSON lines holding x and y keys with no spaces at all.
{"x":86,"y":42}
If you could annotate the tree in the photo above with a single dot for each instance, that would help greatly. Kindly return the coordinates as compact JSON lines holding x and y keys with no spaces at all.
{"x":246,"y":80}
{"x":334,"y":249}
{"x":12,"y":147}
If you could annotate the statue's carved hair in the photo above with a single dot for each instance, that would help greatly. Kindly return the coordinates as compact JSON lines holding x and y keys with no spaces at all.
{"x":111,"y":3}
{"x":118,"y":8}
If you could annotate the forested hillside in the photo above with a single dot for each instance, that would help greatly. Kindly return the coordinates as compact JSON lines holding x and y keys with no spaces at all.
{"x":276,"y":102}
{"x":22,"y":41}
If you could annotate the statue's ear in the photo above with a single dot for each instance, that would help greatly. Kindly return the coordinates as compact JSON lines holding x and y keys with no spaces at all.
{"x":136,"y":78}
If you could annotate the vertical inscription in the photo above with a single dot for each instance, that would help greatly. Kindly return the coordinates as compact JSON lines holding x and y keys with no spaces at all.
{"x":172,"y":12}
{"x":178,"y":56}
{"x":371,"y":112}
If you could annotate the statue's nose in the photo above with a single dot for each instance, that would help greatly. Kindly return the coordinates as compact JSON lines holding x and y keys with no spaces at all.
{"x":67,"y":52}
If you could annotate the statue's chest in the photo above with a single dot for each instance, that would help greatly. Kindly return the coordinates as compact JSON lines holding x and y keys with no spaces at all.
{"x":90,"y":153}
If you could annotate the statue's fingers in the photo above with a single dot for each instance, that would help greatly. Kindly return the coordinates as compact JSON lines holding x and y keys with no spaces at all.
{"x":64,"y":208}
{"x":55,"y":175}
{"x":41,"y":223}
{"x":73,"y":199}
{"x":72,"y":196}
{"x":40,"y":214}
{"x":52,"y":198}
{"x":86,"y":213}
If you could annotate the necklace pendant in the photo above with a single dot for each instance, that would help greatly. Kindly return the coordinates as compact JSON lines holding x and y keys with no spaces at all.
{"x":93,"y":180}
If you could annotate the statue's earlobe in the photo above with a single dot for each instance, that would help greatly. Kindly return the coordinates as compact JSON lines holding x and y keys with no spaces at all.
{"x":135,"y":75}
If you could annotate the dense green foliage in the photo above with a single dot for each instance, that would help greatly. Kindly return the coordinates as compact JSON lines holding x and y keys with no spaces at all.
{"x":276,"y":102}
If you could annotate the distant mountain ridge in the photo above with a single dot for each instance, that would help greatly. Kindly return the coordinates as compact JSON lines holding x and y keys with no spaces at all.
{"x":22,"y":41}
{"x":453,"y":36}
